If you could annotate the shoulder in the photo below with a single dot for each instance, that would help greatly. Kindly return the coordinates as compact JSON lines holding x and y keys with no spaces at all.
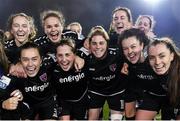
{"x":41,"y":40}
{"x":9,"y":43}
{"x":113,"y":51}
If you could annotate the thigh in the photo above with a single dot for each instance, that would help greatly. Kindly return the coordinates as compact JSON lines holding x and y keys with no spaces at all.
{"x":145,"y":115}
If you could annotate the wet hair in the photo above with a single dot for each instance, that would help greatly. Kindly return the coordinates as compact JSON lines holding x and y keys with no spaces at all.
{"x":133,"y":32}
{"x":69,"y":42}
{"x":98,"y":30}
{"x":151,"y":20}
{"x":30,"y":20}
{"x":30,"y":45}
{"x":52,"y":13}
{"x":174,"y":70}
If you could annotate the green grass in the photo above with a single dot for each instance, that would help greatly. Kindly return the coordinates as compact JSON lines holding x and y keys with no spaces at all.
{"x":106,"y":111}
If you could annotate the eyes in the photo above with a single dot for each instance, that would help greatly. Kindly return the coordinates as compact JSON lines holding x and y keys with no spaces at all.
{"x":25,"y":59}
{"x":66,"y":55}
{"x":98,"y":43}
{"x":131,"y":47}
{"x":153,"y":58}
{"x":143,"y":23}
{"x":121,"y":18}
{"x":16,"y":25}
{"x":50,"y":26}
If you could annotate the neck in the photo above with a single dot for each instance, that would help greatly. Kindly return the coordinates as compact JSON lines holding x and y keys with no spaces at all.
{"x":20,"y":43}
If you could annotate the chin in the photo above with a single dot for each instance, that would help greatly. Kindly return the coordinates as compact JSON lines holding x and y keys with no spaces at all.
{"x":65,"y":69}
{"x":32,"y":74}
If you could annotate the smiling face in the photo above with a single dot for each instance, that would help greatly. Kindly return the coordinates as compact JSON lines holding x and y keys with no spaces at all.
{"x":98,"y":46}
{"x":53,"y":29}
{"x":120,"y":21}
{"x":132,"y":49}
{"x":160,"y":58}
{"x":65,"y":57}
{"x":31,"y":61}
{"x":144,"y":24}
{"x":20,"y":29}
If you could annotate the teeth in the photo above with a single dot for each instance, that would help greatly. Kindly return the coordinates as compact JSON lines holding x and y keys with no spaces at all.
{"x":30,"y":69}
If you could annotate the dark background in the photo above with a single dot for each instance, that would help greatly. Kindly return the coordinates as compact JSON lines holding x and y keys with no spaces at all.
{"x":98,"y":12}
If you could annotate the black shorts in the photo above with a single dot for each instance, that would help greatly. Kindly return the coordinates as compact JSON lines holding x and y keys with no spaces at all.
{"x":132,"y":95}
{"x":115,"y":102}
{"x":178,"y":113}
{"x":45,"y":110}
{"x":76,"y":110}
{"x":153,"y":103}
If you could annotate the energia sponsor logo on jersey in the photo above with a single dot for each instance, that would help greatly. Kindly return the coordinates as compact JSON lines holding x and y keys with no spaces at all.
{"x":71,"y":78}
{"x":105,"y":78}
{"x":36,"y":88}
{"x":149,"y":77}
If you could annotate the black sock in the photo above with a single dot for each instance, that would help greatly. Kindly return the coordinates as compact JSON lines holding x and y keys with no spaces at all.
{"x":130,"y":118}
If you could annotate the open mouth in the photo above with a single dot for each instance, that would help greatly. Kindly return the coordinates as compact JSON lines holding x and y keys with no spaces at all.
{"x":132,"y":57}
{"x":31,"y":70}
{"x":159,"y":69}
{"x":54,"y":36}
{"x":120,"y":27}
{"x":20,"y":35}
{"x":65,"y":65}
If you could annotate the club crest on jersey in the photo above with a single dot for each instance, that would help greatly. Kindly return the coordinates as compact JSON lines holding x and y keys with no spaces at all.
{"x":43,"y":77}
{"x":112,"y":67}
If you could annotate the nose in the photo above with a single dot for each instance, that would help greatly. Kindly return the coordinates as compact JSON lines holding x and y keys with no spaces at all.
{"x":63,"y":58}
{"x":30,"y":63}
{"x":53,"y":28}
{"x":20,"y":28}
{"x":129,"y":50}
{"x":157,"y":61}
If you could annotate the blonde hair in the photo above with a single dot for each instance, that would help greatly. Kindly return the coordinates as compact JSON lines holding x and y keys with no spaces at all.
{"x":75,"y":23}
{"x":52,"y":13}
{"x":98,"y":30}
{"x":30,"y":20}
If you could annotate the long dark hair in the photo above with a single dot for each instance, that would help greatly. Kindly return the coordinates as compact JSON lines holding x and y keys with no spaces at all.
{"x":173,"y":82}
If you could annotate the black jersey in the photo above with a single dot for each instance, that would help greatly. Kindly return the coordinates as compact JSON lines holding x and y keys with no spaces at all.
{"x":36,"y":90}
{"x":6,"y":88}
{"x":113,"y":42}
{"x":46,"y":45}
{"x":105,"y":74}
{"x":141,"y":76}
{"x":49,"y":47}
{"x":12,"y":51}
{"x":70,"y":85}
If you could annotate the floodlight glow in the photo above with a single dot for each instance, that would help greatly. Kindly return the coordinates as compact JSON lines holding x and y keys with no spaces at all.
{"x":152,"y":2}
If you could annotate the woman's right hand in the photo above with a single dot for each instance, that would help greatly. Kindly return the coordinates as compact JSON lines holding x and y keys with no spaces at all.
{"x":11,"y":103}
